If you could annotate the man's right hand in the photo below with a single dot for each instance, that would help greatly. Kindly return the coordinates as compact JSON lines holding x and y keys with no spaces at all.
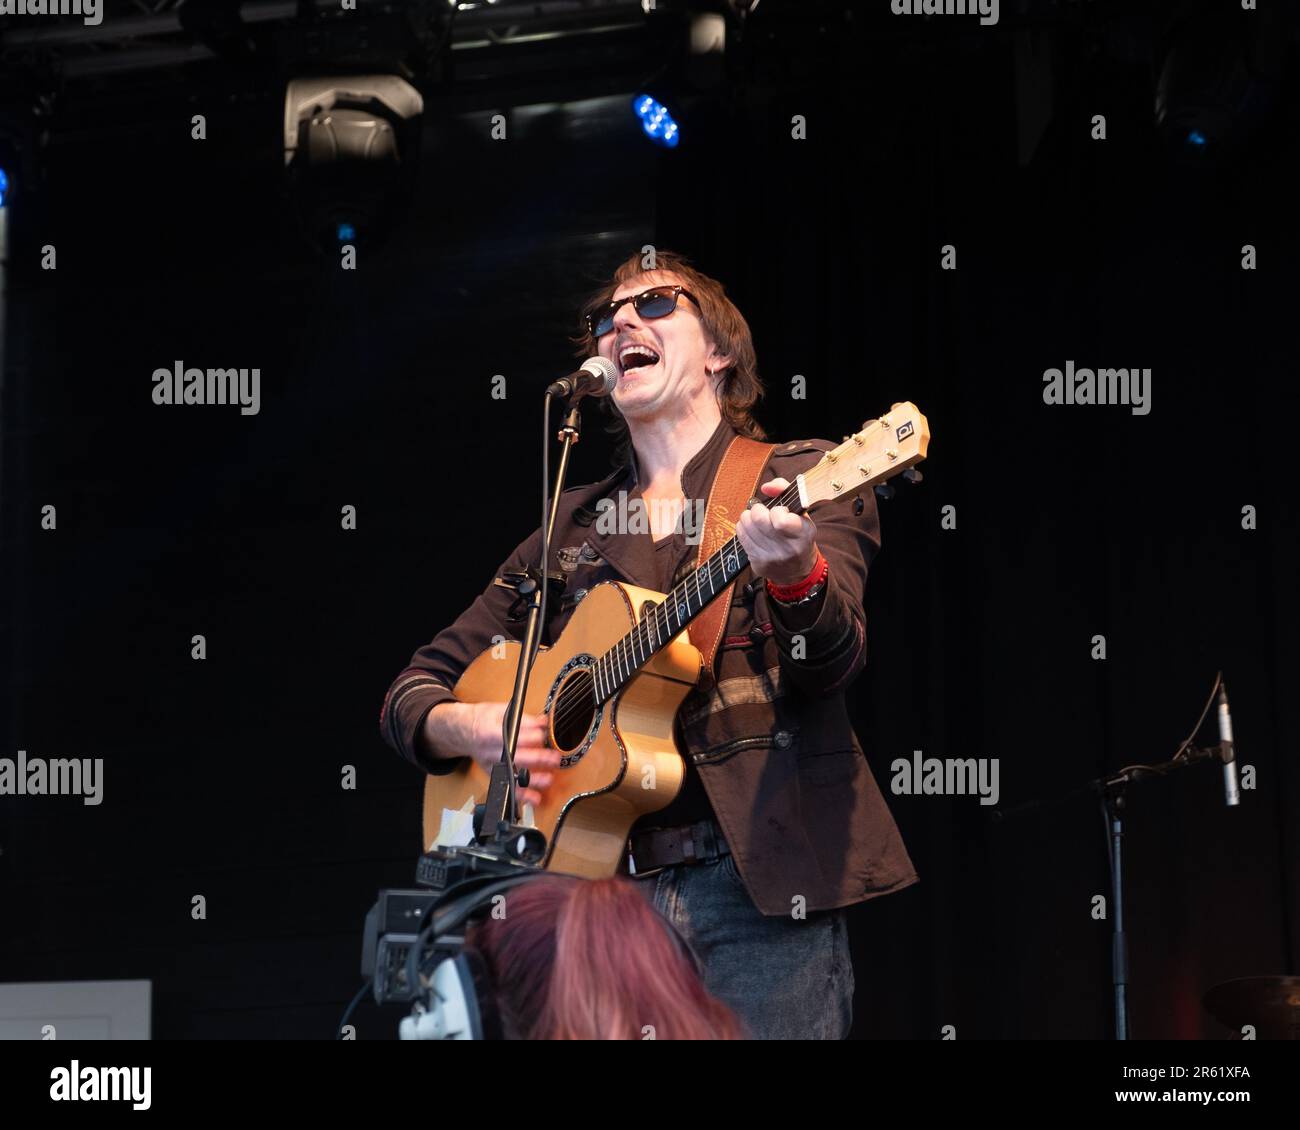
{"x":474,"y":729}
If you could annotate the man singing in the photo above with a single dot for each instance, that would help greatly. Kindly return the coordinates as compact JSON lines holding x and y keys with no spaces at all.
{"x":779,"y":824}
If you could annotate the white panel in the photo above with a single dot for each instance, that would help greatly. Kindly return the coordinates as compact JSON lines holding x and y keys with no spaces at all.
{"x":78,"y":1010}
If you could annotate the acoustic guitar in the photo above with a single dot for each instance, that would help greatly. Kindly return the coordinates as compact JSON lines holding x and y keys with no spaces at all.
{"x":611,"y":684}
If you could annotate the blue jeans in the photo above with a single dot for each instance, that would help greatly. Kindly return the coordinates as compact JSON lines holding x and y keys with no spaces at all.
{"x":786,"y":978}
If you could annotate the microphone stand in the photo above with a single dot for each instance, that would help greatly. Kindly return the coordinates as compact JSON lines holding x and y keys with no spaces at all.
{"x":500,"y":820}
{"x":1112,"y":790}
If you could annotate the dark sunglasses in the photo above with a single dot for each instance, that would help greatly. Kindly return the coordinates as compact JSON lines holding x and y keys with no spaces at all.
{"x":657,"y":302}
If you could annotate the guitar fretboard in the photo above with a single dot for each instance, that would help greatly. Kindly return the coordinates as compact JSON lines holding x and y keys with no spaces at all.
{"x":679,"y":607}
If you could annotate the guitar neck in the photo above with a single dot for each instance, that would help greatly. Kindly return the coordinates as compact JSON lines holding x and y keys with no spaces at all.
{"x":884,"y":447}
{"x":687,"y":600}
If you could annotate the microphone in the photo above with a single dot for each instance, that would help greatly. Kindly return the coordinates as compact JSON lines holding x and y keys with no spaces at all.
{"x":1227,"y":752}
{"x":597,"y":377}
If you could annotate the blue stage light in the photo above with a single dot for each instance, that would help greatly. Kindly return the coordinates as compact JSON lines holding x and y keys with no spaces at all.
{"x":1197,"y":139}
{"x":346,"y":232}
{"x":4,"y":186}
{"x":656,"y":121}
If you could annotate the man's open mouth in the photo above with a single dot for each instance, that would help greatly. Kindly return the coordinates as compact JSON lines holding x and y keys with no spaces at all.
{"x":634,"y":357}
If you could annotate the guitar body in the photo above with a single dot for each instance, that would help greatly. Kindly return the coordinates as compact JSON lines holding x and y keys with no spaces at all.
{"x":611,"y":752}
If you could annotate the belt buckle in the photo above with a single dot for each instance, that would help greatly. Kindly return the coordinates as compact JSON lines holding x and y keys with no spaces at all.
{"x":634,"y":872}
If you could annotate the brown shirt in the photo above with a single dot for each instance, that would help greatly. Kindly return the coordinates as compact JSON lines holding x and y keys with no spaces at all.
{"x":767,"y":737}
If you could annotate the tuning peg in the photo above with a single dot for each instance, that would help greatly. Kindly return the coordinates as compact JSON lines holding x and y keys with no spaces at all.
{"x":912,"y":475}
{"x":885,"y":490}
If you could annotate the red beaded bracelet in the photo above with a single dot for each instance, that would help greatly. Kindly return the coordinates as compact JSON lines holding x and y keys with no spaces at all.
{"x":788,"y":594}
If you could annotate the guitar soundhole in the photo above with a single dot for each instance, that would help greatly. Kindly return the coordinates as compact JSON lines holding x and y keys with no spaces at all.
{"x":573,"y":711}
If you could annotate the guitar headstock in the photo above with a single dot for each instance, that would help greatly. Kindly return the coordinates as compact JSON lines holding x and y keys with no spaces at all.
{"x":883,"y":448}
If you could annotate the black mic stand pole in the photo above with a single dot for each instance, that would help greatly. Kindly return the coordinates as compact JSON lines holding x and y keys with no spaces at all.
{"x":1112,"y":803}
{"x":500,"y":822}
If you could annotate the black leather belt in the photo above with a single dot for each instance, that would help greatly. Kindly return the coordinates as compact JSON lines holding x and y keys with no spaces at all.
{"x":656,"y":848}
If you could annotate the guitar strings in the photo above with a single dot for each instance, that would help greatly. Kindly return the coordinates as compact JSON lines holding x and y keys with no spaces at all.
{"x":626,"y":648}
{"x":576,"y":698}
{"x":569,"y":704}
{"x":624,"y":654}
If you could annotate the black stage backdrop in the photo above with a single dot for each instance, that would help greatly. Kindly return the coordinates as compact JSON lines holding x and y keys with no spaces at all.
{"x":223,"y":776}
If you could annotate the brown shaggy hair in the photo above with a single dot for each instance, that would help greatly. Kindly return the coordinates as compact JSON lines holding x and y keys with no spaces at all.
{"x":724,"y":327}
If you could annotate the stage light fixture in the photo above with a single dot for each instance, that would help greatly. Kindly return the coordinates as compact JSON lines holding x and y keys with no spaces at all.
{"x":351,"y":145}
{"x":657,"y":122}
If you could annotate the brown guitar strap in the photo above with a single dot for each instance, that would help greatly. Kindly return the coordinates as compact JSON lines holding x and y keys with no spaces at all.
{"x":736,"y":482}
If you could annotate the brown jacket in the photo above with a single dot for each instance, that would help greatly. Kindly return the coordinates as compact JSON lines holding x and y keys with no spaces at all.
{"x":770,"y":736}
